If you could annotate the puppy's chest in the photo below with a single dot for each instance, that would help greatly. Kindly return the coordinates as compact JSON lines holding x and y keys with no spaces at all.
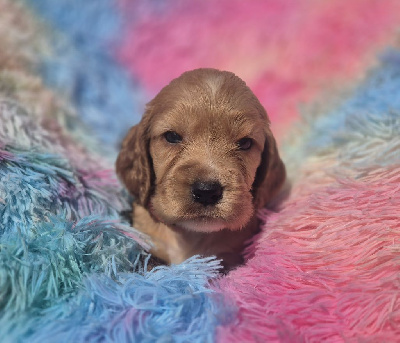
{"x":167,"y":244}
{"x":173,"y":246}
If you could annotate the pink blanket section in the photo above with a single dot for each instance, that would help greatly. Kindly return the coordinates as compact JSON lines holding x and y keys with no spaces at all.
{"x":326,"y":267}
{"x":287,"y":51}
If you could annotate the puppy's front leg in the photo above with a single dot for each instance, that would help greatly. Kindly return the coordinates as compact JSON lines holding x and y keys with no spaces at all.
{"x":167,"y":244}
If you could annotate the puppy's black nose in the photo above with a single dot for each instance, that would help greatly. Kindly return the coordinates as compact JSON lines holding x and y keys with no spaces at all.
{"x":207,"y":193}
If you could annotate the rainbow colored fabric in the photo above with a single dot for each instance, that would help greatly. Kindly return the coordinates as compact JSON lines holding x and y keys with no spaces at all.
{"x":75,"y":75}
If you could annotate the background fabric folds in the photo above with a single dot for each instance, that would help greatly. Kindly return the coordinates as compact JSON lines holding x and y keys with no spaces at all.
{"x":74,"y":76}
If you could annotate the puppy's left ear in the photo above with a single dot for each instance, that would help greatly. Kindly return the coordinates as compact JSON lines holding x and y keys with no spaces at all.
{"x":270,"y":174}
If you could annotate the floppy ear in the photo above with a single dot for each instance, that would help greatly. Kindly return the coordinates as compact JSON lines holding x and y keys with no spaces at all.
{"x":134,"y":166}
{"x":270,"y":174}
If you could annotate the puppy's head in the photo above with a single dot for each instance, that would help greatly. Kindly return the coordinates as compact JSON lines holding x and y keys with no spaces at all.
{"x":203,"y":156}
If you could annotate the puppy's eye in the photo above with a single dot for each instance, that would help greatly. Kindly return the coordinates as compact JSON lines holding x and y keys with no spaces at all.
{"x":172,"y":137}
{"x":245,"y":143}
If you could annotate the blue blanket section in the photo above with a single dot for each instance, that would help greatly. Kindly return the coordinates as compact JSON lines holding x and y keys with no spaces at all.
{"x":86,"y":282}
{"x":44,"y":264}
{"x":38,"y":179}
{"x":169,"y":304}
{"x":377,"y":95}
{"x":83,"y":66}
{"x":69,"y":270}
{"x":375,"y":100}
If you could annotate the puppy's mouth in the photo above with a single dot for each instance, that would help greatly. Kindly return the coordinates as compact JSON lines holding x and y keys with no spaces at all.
{"x":201,"y":224}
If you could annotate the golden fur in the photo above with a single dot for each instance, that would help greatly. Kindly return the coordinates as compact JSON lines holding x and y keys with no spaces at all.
{"x":211,"y":111}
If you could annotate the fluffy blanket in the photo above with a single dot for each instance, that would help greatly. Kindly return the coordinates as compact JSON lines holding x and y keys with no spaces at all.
{"x":74,"y":75}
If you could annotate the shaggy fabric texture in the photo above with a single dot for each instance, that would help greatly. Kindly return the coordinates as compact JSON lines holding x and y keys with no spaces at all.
{"x":74,"y":76}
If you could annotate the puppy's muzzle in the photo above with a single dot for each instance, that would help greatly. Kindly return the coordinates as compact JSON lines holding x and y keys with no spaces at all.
{"x":207,"y":192}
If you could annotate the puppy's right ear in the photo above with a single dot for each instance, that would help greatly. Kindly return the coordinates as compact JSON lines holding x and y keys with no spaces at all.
{"x":133,"y":165}
{"x":270,"y":175}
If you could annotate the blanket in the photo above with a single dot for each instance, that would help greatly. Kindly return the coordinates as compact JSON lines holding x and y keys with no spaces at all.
{"x":75,"y":75}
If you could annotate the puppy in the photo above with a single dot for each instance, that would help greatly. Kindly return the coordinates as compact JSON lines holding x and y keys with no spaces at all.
{"x":199,"y":164}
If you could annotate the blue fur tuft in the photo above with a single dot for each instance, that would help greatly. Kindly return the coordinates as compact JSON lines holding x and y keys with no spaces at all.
{"x":166,"y":304}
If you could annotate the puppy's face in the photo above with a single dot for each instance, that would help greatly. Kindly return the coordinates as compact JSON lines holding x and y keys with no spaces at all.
{"x":206,"y":137}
